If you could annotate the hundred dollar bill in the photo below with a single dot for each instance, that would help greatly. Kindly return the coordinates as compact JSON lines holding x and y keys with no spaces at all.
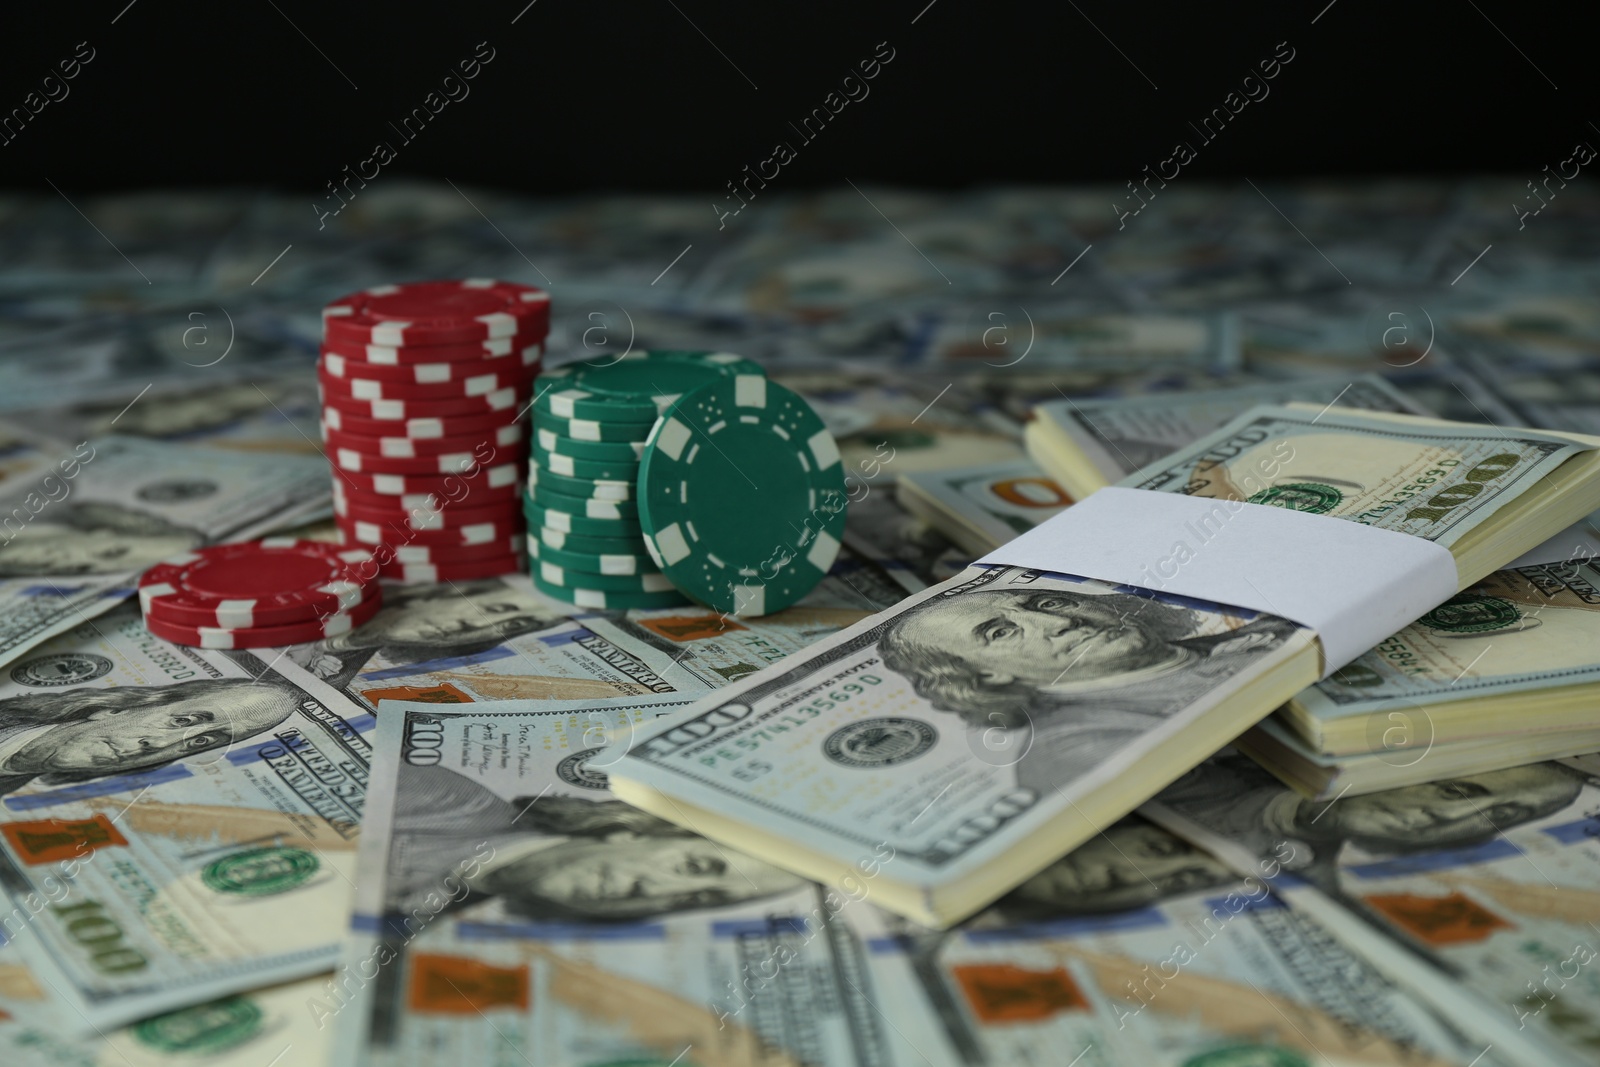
{"x":981,"y":508}
{"x":79,"y":522}
{"x":175,"y":823}
{"x":1085,"y":444}
{"x":1138,"y":948}
{"x":992,"y":723}
{"x":492,"y":639}
{"x":511,"y":909}
{"x":252,"y":1029}
{"x":1458,"y":485}
{"x":1517,"y":652}
{"x":914,"y":553}
{"x":1481,"y":883}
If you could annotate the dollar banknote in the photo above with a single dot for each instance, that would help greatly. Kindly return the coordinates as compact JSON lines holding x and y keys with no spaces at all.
{"x":489,"y":639}
{"x":1435,"y":480}
{"x":510,"y":908}
{"x":1484,"y":882}
{"x":981,"y":508}
{"x":1102,"y":441}
{"x":1532,"y":631}
{"x":175,"y":823}
{"x":251,"y":1029}
{"x":914,"y":553}
{"x":79,"y":522}
{"x":1139,"y":948}
{"x":715,"y":648}
{"x":886,"y":426}
{"x":1006,"y":708}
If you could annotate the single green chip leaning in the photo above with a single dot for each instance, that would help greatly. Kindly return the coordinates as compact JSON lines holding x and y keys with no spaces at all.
{"x":591,"y":429}
{"x":560,"y":444}
{"x":607,"y":563}
{"x":636,"y":386}
{"x":741,"y":496}
{"x":606,"y":469}
{"x":583,"y":505}
{"x":608,"y":600}
{"x":554,"y":574}
{"x":582,"y":488}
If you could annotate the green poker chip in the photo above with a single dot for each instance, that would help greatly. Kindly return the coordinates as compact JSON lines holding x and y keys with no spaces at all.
{"x":592,"y":430}
{"x":630,"y":545}
{"x":607,"y":563}
{"x":604,"y":469}
{"x":585,"y":506}
{"x":609,"y":600}
{"x":578,"y":522}
{"x":546,"y":439}
{"x":741,"y":495}
{"x":553,"y":573}
{"x":636,"y":387}
{"x":582,"y":488}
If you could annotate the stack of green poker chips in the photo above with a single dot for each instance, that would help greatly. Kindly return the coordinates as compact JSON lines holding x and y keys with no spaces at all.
{"x":590,"y":423}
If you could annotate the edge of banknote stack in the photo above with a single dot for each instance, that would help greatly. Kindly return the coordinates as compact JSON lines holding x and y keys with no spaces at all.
{"x":821,"y":825}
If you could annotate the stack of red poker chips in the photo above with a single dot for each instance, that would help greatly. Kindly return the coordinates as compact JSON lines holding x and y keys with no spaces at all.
{"x":260,"y":594}
{"x":424,"y":388}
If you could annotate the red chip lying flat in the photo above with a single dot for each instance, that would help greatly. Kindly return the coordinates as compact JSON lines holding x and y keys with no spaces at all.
{"x":293,"y":633}
{"x":259,"y":583}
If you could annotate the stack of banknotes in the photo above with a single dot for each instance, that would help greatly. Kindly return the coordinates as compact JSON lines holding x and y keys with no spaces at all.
{"x":934,"y":814}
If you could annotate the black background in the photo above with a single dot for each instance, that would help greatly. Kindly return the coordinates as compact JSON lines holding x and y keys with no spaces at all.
{"x":596,"y":96}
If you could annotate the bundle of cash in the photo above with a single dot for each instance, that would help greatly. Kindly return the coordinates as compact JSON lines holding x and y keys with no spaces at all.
{"x":886,"y":734}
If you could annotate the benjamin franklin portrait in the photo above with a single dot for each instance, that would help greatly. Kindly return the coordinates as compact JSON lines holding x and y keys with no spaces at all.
{"x":559,"y":858}
{"x":426,"y":622}
{"x":1132,"y":864}
{"x":69,"y":539}
{"x":77,"y":735}
{"x":1233,"y":796}
{"x":1085,"y":673}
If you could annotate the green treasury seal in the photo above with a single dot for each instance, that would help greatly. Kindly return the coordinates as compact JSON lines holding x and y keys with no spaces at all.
{"x":260,"y":872}
{"x":205,"y":1028}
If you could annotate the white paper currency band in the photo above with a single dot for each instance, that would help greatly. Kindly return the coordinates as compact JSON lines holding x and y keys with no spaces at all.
{"x":1353,"y":584}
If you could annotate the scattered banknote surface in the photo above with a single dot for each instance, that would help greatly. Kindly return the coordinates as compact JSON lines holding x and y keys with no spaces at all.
{"x":508,"y":905}
{"x":981,"y":508}
{"x":175,"y":823}
{"x":79,"y":522}
{"x":1404,"y":931}
{"x":1487,"y":881}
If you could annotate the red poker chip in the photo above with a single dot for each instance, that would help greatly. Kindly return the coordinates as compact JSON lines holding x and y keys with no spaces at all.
{"x":509,"y":400}
{"x":361,"y":533}
{"x":274,"y":581}
{"x":400,"y":551}
{"x":509,"y":435}
{"x":463,"y":463}
{"x":293,"y":633}
{"x":420,"y":427}
{"x":440,"y":312}
{"x":343,"y":368}
{"x":412,"y":573}
{"x":525,"y":348}
{"x":481,"y":384}
{"x":483,"y":479}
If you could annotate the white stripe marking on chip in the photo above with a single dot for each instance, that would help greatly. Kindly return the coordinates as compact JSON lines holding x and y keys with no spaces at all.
{"x":671,"y":545}
{"x":823,"y":447}
{"x":824,"y":550}
{"x":673,"y":436}
{"x":750,"y":391}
